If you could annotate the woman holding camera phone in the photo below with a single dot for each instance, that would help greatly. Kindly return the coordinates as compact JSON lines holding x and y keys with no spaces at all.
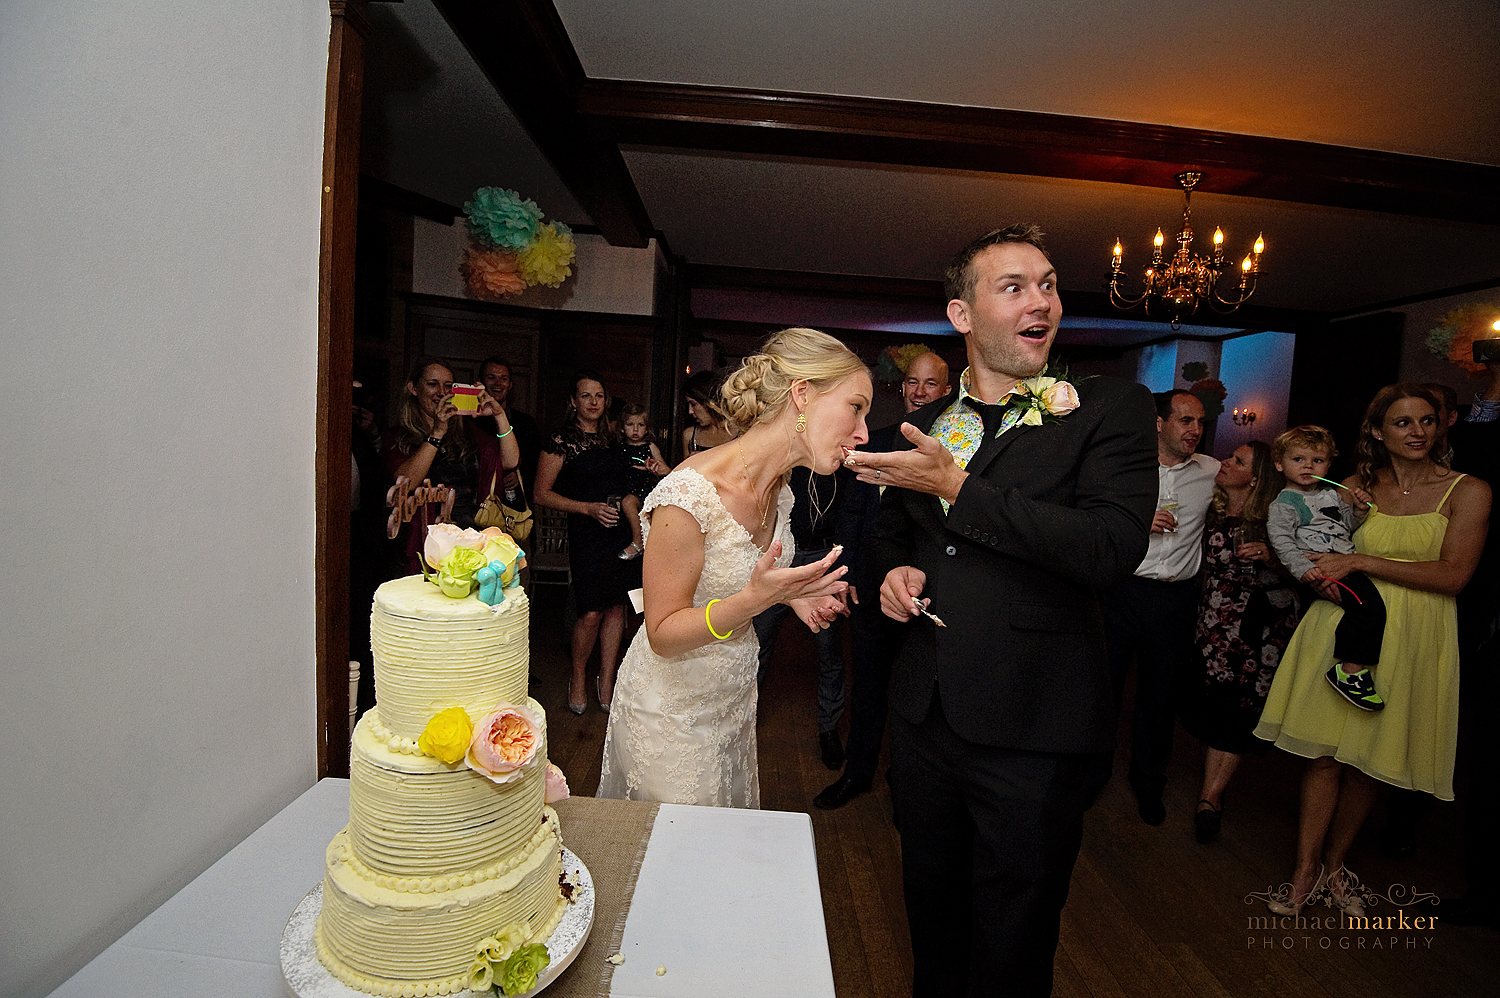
{"x":432,"y":441}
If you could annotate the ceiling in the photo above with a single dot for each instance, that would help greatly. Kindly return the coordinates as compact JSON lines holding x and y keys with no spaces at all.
{"x":825,"y":157}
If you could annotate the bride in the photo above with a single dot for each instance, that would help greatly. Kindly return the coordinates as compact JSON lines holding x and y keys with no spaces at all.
{"x":718,"y":540}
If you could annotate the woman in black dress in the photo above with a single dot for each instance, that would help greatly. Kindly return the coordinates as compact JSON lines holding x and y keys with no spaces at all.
{"x":1246,"y":615}
{"x":583,"y":472}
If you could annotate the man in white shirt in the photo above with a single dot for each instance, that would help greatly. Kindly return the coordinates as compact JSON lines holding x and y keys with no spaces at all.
{"x":1151,"y":615}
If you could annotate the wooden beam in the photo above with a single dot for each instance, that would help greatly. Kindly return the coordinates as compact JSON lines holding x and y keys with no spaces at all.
{"x":522,"y":46}
{"x":341,"y":125}
{"x":820,"y":126}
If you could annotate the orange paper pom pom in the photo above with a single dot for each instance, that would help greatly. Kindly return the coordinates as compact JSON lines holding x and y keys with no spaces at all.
{"x":492,"y":273}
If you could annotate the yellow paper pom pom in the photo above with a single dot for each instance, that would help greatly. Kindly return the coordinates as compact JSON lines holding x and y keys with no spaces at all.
{"x":548,"y":260}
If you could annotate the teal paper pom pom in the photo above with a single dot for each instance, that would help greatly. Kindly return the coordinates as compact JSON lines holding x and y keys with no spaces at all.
{"x":562,"y":229}
{"x":502,"y":219}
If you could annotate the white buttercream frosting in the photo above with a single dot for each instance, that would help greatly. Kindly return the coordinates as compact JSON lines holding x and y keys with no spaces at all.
{"x":435,"y":856}
{"x":432,"y":653}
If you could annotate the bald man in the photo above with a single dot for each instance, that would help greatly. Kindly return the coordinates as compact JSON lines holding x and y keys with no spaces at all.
{"x":876,"y":636}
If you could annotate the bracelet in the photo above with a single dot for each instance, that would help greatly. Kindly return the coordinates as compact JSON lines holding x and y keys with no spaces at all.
{"x":436,"y":442}
{"x":502,"y":436}
{"x":710,"y":623}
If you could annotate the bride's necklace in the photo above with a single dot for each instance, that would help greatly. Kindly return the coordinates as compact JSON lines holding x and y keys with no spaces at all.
{"x":819,"y":509}
{"x":765,"y":504}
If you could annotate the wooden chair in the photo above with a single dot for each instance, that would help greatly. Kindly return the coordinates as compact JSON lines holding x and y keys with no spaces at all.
{"x":548,"y":554}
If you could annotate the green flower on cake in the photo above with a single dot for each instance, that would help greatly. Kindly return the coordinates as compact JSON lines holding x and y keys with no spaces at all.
{"x":504,"y":961}
{"x":447,"y":735}
{"x":457,"y":574}
{"x":520,"y":972}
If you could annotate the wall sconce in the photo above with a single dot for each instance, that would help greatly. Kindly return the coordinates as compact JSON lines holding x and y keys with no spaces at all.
{"x":1243,"y":417}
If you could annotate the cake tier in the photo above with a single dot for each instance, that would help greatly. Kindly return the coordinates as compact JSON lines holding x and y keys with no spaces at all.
{"x":384,"y":940}
{"x":413,"y":816}
{"x":432,"y":652}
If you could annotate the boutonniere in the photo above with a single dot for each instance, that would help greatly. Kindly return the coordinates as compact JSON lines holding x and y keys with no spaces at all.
{"x":1042,"y":399}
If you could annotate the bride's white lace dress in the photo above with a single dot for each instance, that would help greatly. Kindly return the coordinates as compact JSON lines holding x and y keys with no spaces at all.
{"x":682,"y":729}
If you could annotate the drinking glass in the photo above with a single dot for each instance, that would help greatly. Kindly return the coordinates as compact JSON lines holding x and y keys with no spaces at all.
{"x":1168,"y":501}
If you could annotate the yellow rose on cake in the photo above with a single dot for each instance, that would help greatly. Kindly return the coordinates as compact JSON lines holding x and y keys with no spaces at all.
{"x":447,"y":735}
{"x":505,"y":743}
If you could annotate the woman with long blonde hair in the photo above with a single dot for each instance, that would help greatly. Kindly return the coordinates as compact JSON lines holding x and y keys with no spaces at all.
{"x":1420,"y":544}
{"x":718,"y":540}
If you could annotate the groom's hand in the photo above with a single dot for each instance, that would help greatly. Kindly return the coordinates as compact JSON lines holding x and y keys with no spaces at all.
{"x":901,"y":585}
{"x":928,"y":467}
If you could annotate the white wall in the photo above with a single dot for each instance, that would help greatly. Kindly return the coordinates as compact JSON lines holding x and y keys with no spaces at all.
{"x":158,"y":299}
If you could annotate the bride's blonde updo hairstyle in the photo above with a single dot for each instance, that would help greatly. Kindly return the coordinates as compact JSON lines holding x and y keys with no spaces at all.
{"x":758,"y":391}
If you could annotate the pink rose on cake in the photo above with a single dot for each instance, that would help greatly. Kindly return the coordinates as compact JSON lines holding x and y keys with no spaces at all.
{"x":444,"y":537}
{"x":557,"y":784}
{"x":505,"y":744}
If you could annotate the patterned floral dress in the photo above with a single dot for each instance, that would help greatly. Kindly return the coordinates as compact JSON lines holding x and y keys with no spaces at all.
{"x":1246,"y":615}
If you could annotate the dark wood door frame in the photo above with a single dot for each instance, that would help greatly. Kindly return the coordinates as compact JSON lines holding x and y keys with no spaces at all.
{"x":346,"y":42}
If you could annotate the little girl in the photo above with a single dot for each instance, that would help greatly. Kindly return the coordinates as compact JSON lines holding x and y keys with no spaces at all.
{"x":646,"y":466}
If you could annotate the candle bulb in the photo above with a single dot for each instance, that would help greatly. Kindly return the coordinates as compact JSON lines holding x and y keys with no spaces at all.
{"x":1157,"y":242}
{"x":1119,"y":252}
{"x":1260,"y":244}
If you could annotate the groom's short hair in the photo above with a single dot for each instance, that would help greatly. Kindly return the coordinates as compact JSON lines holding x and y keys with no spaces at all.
{"x":959,"y":280}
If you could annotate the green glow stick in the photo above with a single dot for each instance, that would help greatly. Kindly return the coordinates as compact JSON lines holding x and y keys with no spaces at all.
{"x":1329,"y":481}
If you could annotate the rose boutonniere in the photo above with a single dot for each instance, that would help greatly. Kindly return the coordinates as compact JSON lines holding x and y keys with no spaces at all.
{"x":1041,"y":399}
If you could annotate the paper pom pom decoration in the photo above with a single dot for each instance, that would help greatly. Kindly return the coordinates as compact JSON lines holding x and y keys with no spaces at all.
{"x":1454,"y":337}
{"x":492,"y":273}
{"x":547,"y":260}
{"x":1211,"y":392}
{"x":895,"y":360}
{"x":511,"y":249}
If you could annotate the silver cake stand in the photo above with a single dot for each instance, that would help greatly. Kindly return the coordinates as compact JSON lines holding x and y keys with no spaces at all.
{"x":308,"y":978}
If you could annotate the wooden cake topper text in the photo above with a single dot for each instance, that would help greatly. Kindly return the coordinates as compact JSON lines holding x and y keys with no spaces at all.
{"x":404,"y":501}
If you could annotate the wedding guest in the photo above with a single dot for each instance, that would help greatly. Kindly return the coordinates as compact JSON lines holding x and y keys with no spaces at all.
{"x":1420,"y":544}
{"x":1309,"y":516}
{"x":1007,"y":513}
{"x":816,"y":505}
{"x":494,"y":372}
{"x":1246,"y":615}
{"x":875,"y":637}
{"x":1149,"y":616}
{"x":433,"y":440}
{"x":1476,"y":449}
{"x":583,"y":473}
{"x":643,"y":457}
{"x":709,"y":426}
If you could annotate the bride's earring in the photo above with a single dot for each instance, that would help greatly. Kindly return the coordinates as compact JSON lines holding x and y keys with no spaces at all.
{"x":801,"y":422}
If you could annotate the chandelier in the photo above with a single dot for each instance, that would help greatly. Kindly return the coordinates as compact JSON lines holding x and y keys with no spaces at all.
{"x":1175,"y":287}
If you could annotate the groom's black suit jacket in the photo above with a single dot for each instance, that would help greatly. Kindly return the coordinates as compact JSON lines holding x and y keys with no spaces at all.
{"x":1050,"y":516}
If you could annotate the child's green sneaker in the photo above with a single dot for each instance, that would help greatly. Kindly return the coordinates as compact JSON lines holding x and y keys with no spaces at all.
{"x":1358,"y":689}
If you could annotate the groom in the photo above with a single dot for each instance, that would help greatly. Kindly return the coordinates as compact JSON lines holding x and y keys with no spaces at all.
{"x":1012,"y":509}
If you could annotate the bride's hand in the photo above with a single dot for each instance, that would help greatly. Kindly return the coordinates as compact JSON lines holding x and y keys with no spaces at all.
{"x":811,"y":581}
{"x":818,"y":613}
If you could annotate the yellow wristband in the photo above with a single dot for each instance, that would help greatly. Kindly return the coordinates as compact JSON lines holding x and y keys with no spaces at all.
{"x":710,"y":623}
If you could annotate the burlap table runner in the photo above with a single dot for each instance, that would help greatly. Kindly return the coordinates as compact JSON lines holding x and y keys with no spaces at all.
{"x":610,"y":836}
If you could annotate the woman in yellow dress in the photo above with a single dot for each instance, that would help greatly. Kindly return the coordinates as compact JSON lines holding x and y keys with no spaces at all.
{"x":1420,"y":543}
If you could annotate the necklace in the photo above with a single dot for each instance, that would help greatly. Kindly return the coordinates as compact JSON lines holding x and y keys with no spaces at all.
{"x":820,"y":510}
{"x":765,"y":504}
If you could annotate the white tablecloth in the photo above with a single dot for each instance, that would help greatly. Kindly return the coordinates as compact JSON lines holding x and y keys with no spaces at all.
{"x":728,"y":901}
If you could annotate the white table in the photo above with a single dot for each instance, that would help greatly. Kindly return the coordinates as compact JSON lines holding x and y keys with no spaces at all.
{"x":728,"y":901}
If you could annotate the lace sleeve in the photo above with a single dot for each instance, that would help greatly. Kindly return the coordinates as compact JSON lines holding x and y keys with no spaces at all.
{"x":685,"y":489}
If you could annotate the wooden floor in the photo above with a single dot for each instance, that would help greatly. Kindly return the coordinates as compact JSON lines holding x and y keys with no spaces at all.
{"x":1150,"y":911}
